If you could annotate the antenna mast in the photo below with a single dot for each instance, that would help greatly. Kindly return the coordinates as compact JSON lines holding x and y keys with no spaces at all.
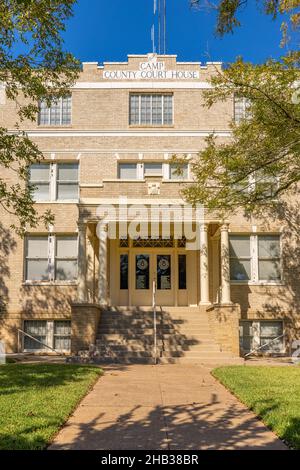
{"x":160,"y":18}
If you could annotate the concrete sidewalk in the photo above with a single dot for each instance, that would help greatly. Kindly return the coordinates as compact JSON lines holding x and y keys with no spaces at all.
{"x":171,"y":407}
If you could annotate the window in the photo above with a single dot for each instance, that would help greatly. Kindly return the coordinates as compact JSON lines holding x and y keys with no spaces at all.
{"x":139,"y":171}
{"x":67,"y":181}
{"x":182,"y":272}
{"x":246,"y":336}
{"x":151,"y":109}
{"x":37,"y":259}
{"x":124,"y":272}
{"x":178,"y":172}
{"x":269,"y":258}
{"x":240,"y":259}
{"x":153,"y":169}
{"x":51,"y":258}
{"x":39,"y":177}
{"x":62,"y":335}
{"x":38,"y":330}
{"x":266,"y":185}
{"x":163,"y":269}
{"x":255,"y":258}
{"x":255,"y":334}
{"x":54,"y":334}
{"x":66,"y":258}
{"x":54,"y":181}
{"x":269,"y":331}
{"x":241,"y":109}
{"x":58,"y":114}
{"x":128,"y":171}
{"x":142,"y":272}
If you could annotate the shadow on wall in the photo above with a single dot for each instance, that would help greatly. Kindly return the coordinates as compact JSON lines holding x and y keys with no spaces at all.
{"x":7,"y":246}
{"x":289,"y":293}
{"x":51,"y":300}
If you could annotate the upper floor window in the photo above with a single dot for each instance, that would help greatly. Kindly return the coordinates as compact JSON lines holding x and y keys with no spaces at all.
{"x":127,"y":171}
{"x":241,"y":109}
{"x":255,"y":258}
{"x":54,"y":181}
{"x":58,"y":114}
{"x":166,"y":171}
{"x":51,"y":258}
{"x":178,"y":172}
{"x":153,"y":169}
{"x":151,"y":110}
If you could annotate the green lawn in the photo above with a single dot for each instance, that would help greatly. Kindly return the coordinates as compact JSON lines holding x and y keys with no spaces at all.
{"x":36,"y":400}
{"x":273,"y":393}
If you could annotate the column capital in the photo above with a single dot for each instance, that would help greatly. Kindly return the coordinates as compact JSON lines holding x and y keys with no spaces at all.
{"x":224,"y":227}
{"x":104,"y":227}
{"x":82,"y":226}
{"x":203,"y":226}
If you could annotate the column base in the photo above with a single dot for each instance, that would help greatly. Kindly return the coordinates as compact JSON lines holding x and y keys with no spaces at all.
{"x":205,"y":304}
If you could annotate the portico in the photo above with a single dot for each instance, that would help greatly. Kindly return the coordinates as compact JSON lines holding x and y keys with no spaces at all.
{"x":121,"y":271}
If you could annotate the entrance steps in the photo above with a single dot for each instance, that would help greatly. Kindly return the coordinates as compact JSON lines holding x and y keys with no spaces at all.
{"x":126,"y":336}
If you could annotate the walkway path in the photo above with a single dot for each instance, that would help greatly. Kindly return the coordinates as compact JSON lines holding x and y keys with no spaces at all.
{"x":172,"y":407}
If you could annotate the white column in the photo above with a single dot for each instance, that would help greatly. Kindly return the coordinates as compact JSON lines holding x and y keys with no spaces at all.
{"x":82,"y":262}
{"x":225,"y":266}
{"x":103,"y":237}
{"x":204,"y":268}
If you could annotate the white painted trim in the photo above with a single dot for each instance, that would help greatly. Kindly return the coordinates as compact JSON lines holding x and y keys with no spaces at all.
{"x":114,"y":151}
{"x":131,"y":133}
{"x":141,"y":202}
{"x":197,"y":85}
{"x":91,"y":185}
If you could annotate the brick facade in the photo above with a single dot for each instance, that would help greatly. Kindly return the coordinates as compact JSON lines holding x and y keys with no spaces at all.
{"x":100,"y":137}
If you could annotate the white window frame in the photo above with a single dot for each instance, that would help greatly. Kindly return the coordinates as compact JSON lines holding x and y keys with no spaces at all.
{"x":256,"y":333}
{"x":165,"y":174}
{"x":51,"y":259}
{"x":162,"y":95}
{"x":60,"y":100}
{"x":53,"y":183}
{"x":254,"y":260}
{"x":49,"y":336}
{"x":244,"y":103}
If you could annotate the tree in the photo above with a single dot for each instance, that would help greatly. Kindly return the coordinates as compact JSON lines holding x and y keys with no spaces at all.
{"x":262,"y":160}
{"x":228,"y":10}
{"x":33,"y":66}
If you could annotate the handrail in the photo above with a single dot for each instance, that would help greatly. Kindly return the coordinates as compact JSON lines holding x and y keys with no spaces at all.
{"x":264,"y":345}
{"x":154,"y":322}
{"x":38,"y":341}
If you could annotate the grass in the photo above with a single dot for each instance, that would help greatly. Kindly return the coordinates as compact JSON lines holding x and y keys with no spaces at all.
{"x":36,"y":400}
{"x":273,"y":393}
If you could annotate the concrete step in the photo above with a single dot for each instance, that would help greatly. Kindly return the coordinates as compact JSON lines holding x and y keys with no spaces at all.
{"x":213,"y":362}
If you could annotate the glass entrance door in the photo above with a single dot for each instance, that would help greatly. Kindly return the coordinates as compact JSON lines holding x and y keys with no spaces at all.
{"x":149,"y":267}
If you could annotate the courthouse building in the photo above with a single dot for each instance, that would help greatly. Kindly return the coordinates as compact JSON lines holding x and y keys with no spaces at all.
{"x":111,"y":142}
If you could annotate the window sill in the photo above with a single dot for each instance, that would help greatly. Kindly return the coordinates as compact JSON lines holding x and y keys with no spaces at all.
{"x":55,"y":126}
{"x":150,"y":126}
{"x":257,"y":283}
{"x":50,"y":283}
{"x":71,"y":201}
{"x":117,"y":180}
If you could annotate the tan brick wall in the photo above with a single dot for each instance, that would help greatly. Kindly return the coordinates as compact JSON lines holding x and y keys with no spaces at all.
{"x":85,"y":320}
{"x":224,"y":321}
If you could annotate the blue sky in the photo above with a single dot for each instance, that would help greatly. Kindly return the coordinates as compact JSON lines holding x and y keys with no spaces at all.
{"x":104,"y":30}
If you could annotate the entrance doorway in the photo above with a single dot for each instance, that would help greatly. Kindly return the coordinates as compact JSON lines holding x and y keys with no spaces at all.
{"x":149,"y":267}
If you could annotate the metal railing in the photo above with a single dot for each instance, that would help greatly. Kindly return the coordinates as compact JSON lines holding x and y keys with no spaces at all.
{"x":263,"y":346}
{"x":23,"y":333}
{"x":154,"y":323}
